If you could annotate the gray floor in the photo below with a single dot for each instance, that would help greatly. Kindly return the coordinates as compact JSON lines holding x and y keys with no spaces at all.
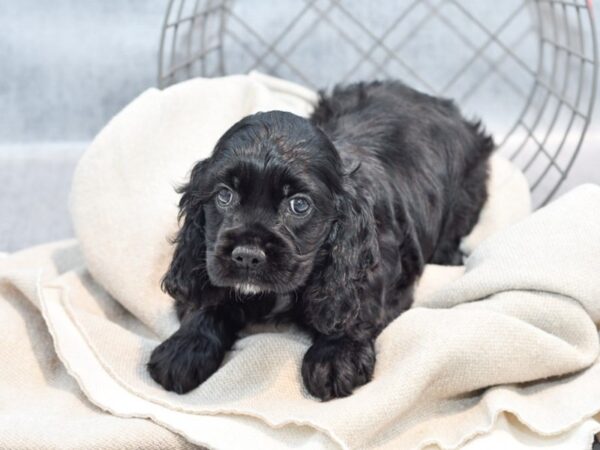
{"x":33,"y":196}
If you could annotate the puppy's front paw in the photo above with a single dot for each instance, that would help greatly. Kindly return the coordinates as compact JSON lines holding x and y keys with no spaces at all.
{"x":334,"y":367}
{"x":184,"y":361}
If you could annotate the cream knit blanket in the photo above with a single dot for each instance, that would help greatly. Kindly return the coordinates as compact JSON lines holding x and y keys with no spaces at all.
{"x":513,"y":331}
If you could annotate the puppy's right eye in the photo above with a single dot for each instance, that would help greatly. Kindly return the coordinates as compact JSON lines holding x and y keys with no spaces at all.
{"x":224,"y":197}
{"x":299,"y":205}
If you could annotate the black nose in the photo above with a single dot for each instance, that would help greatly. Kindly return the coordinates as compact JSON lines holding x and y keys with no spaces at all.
{"x":248,"y":257}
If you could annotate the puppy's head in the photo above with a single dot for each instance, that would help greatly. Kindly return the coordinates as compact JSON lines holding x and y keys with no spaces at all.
{"x":259,"y":209}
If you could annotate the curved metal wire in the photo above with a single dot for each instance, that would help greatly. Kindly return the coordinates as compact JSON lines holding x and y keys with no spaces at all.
{"x":551,"y":96}
{"x":590,"y":109}
{"x":161,"y":51}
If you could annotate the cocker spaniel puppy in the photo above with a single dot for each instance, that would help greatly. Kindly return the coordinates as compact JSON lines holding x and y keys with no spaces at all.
{"x":326,"y":222}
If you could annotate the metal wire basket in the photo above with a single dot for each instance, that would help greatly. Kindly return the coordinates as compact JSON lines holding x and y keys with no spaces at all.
{"x":529,"y":69}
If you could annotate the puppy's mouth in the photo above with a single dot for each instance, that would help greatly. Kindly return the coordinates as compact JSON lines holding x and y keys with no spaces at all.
{"x":253,"y":284}
{"x":248,"y":288}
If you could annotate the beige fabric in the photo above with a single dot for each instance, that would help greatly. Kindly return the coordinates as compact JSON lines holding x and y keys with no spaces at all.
{"x":522,"y":310}
{"x":41,"y":406}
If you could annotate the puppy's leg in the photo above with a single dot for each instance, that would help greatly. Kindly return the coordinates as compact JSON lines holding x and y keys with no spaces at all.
{"x":334,"y":366}
{"x":195,"y":351}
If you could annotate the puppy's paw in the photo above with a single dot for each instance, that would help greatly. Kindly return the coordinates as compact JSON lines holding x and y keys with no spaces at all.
{"x":332,"y":368}
{"x":184,"y":361}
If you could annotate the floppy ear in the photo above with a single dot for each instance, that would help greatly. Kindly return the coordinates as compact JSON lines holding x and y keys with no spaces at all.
{"x":350,"y":257}
{"x":187,"y":272}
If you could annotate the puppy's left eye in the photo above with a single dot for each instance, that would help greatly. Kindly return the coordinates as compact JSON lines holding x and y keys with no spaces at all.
{"x":224,"y":197}
{"x":299,"y":205}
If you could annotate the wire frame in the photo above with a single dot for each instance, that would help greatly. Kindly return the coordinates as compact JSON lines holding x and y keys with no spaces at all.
{"x":540,"y":106}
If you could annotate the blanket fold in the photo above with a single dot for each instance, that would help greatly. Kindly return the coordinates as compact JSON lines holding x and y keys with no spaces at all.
{"x":499,"y":342}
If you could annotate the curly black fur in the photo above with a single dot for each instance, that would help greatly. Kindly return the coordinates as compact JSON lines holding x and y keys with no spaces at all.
{"x":394,"y":179}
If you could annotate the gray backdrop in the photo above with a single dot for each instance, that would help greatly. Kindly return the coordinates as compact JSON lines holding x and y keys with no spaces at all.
{"x":66,"y":67}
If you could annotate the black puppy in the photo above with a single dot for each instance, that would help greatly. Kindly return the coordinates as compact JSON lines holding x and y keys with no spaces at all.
{"x":326,"y":222}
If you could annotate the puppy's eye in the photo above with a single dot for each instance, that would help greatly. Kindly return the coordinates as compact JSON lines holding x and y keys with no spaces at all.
{"x":299,"y":205}
{"x":224,"y":197}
